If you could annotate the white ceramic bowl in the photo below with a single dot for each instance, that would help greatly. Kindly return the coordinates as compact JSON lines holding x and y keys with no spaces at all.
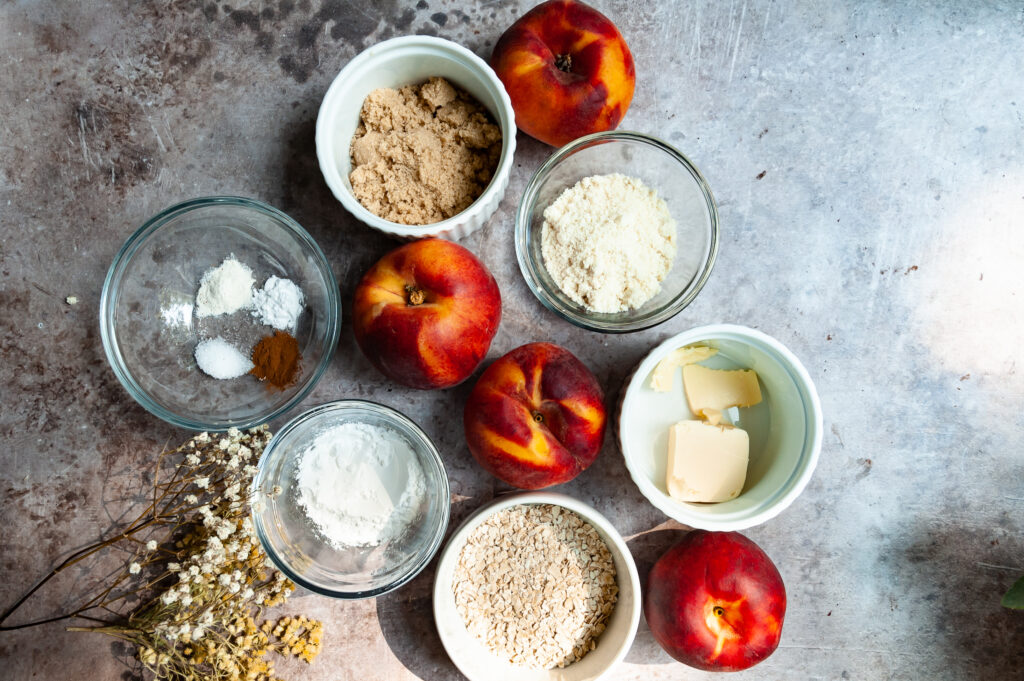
{"x":479,"y":664}
{"x":785,"y":428}
{"x":396,"y":63}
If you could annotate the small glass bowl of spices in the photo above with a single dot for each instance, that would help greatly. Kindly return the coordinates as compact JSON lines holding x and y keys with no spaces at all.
{"x":616,"y":232}
{"x":219,"y":312}
{"x":351,"y":499}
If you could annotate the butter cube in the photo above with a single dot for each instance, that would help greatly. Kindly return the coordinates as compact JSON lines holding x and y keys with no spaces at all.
{"x":706,"y":463}
{"x":715,"y":390}
{"x":663,"y":375}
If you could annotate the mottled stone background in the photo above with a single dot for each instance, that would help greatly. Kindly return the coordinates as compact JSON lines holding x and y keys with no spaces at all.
{"x":867,"y":159}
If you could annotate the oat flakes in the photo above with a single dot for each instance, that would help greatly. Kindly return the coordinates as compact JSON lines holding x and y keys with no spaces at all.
{"x":536,"y":584}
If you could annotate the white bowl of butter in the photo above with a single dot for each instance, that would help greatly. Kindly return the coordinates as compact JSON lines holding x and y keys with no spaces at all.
{"x":784,"y":430}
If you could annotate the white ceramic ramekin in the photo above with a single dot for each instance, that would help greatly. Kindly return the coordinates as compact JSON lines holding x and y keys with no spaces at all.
{"x":477,"y":663}
{"x":785,"y":429}
{"x":396,"y":63}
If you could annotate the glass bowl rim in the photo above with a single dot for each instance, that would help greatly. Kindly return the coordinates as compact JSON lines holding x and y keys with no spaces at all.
{"x":528,"y":267}
{"x":112,"y":285}
{"x":391,"y":415}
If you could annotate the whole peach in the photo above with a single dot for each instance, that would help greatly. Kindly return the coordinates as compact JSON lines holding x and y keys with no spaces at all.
{"x":567,"y":70}
{"x":425,"y":314}
{"x":536,"y":417}
{"x":715,"y":601}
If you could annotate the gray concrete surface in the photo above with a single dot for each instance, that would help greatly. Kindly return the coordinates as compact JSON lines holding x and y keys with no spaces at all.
{"x":868,"y":159}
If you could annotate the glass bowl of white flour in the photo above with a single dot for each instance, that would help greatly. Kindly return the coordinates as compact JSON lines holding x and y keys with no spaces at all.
{"x":351,"y":499}
{"x":208,"y":274}
{"x":616,"y":232}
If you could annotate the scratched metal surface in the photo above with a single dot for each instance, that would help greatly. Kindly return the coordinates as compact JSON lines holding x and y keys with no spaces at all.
{"x":868,"y":161}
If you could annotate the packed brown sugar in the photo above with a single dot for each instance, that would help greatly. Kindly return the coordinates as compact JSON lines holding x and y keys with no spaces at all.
{"x":422,"y":153}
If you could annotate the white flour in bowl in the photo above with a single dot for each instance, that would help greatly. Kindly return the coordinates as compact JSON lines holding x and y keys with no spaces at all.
{"x":359,"y":484}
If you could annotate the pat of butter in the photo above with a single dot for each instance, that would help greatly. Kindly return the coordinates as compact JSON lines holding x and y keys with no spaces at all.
{"x":714,"y":390}
{"x":713,"y":416}
{"x":706,"y":463}
{"x":663,"y":375}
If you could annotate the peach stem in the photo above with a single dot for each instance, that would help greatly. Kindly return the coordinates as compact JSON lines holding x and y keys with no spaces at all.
{"x":563,"y":62}
{"x":414,"y":295}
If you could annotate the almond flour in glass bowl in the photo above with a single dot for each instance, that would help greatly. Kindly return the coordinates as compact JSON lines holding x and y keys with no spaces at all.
{"x":660,"y":167}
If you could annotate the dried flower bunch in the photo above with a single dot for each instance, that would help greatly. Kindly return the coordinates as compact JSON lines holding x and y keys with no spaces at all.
{"x":198,"y":579}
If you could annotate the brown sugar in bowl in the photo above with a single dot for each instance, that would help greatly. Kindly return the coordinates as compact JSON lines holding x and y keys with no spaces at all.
{"x":393,"y":64}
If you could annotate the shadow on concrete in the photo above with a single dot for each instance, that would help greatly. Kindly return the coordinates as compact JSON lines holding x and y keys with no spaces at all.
{"x":955,"y":577}
{"x":127,"y":655}
{"x":647,"y":548}
{"x":407,"y":621}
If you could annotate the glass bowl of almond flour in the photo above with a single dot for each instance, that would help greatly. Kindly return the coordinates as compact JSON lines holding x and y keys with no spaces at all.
{"x":617,"y":232}
{"x":202,"y":280}
{"x":351,"y":499}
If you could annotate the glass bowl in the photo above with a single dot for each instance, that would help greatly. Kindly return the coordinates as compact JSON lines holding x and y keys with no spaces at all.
{"x":660,"y":167}
{"x":150,"y":330}
{"x":300,"y":551}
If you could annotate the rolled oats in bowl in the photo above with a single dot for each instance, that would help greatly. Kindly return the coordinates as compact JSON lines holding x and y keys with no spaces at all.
{"x":535,"y":583}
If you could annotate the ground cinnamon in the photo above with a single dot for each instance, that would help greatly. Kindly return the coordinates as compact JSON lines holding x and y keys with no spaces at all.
{"x":277,"y":359}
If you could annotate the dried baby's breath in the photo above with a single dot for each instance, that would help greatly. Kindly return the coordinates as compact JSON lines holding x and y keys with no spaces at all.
{"x":536,"y":584}
{"x":197,"y":579}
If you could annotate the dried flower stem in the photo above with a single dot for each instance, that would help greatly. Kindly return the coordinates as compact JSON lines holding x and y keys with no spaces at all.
{"x":197,"y":579}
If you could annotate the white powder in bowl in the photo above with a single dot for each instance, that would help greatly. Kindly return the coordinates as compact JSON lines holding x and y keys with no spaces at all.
{"x":608,"y":241}
{"x":225,"y":289}
{"x":359,"y":484}
{"x":218,"y":358}
{"x":278,"y":303}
